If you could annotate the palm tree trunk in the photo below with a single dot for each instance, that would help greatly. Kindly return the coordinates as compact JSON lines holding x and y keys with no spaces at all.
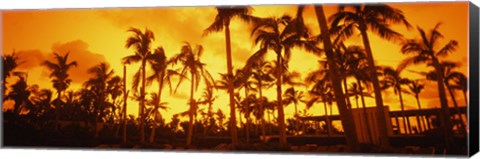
{"x":262,"y":109}
{"x":247,"y":128}
{"x":465,"y":98}
{"x":57,"y":111}
{"x":406,"y":122}
{"x":142,"y":105}
{"x":381,"y":119}
{"x":124,"y":105}
{"x":364,"y":106}
{"x":160,"y":87}
{"x":296,"y":118}
{"x":455,"y":104}
{"x":327,"y":119}
{"x":445,"y":117}
{"x":233,"y":123}
{"x":281,"y":115}
{"x":190,"y":112}
{"x":347,"y":96}
{"x":345,"y":115}
{"x":210,"y":116}
{"x":421,"y":122}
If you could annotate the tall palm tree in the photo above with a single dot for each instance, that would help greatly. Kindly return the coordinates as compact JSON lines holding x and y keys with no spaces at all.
{"x":98,"y":84}
{"x":243,"y":76}
{"x":222,"y":22}
{"x":159,"y":65}
{"x":345,"y":115}
{"x":140,"y":41}
{"x":154,"y":112}
{"x":392,"y":78}
{"x":415,"y":87}
{"x":321,"y":91}
{"x":448,"y":74}
{"x":190,"y":59}
{"x":424,"y":50}
{"x":376,"y":18}
{"x":281,"y":34}
{"x":61,"y":79}
{"x":262,"y":77}
{"x":358,"y":67}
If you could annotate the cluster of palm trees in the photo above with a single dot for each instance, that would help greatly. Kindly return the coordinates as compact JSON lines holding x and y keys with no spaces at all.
{"x":280,"y":35}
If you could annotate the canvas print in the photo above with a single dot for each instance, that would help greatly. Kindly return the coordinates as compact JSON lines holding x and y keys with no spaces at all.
{"x":388,"y":78}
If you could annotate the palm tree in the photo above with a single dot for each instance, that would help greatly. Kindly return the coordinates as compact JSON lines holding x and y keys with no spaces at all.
{"x":222,"y":22}
{"x":20,"y":94}
{"x":190,"y":59}
{"x":10,"y":63}
{"x":393,"y":79}
{"x":243,"y":76}
{"x":61,"y":79}
{"x":448,"y":74}
{"x":415,"y":87}
{"x":159,"y":64}
{"x":460,"y":83}
{"x":345,"y":115}
{"x":262,"y":77}
{"x":293,"y":96}
{"x":424,"y":50}
{"x":154,"y":112}
{"x":102,"y":74}
{"x":141,"y":42}
{"x":281,"y":34}
{"x":42,"y":100}
{"x":208,"y":98}
{"x":321,"y":91}
{"x":376,"y":18}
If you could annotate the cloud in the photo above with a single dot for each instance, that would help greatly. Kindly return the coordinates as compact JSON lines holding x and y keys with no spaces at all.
{"x":179,"y":23}
{"x":79,"y":52}
{"x":30,"y":59}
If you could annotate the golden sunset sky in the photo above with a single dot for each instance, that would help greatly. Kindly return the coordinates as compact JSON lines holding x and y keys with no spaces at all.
{"x":98,"y":35}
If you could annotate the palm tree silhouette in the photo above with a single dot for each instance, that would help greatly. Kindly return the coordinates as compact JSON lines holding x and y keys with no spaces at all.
{"x":222,"y":22}
{"x":208,"y":98}
{"x":262,"y":77}
{"x":141,"y":42}
{"x":459,"y":81}
{"x":159,"y":64}
{"x":190,"y":59}
{"x":392,"y":78}
{"x":376,"y":18}
{"x":60,"y":80}
{"x":281,"y":34}
{"x":293,"y":96}
{"x":321,"y":91}
{"x":449,"y":74}
{"x":98,"y":84}
{"x":154,"y":111}
{"x":10,"y":63}
{"x":424,"y":50}
{"x":415,"y":87}
{"x":20,"y":93}
{"x":41,"y":99}
{"x":345,"y":115}
{"x":243,"y":77}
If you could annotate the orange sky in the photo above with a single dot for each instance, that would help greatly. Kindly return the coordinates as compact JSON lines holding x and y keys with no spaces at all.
{"x":96,"y":35}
